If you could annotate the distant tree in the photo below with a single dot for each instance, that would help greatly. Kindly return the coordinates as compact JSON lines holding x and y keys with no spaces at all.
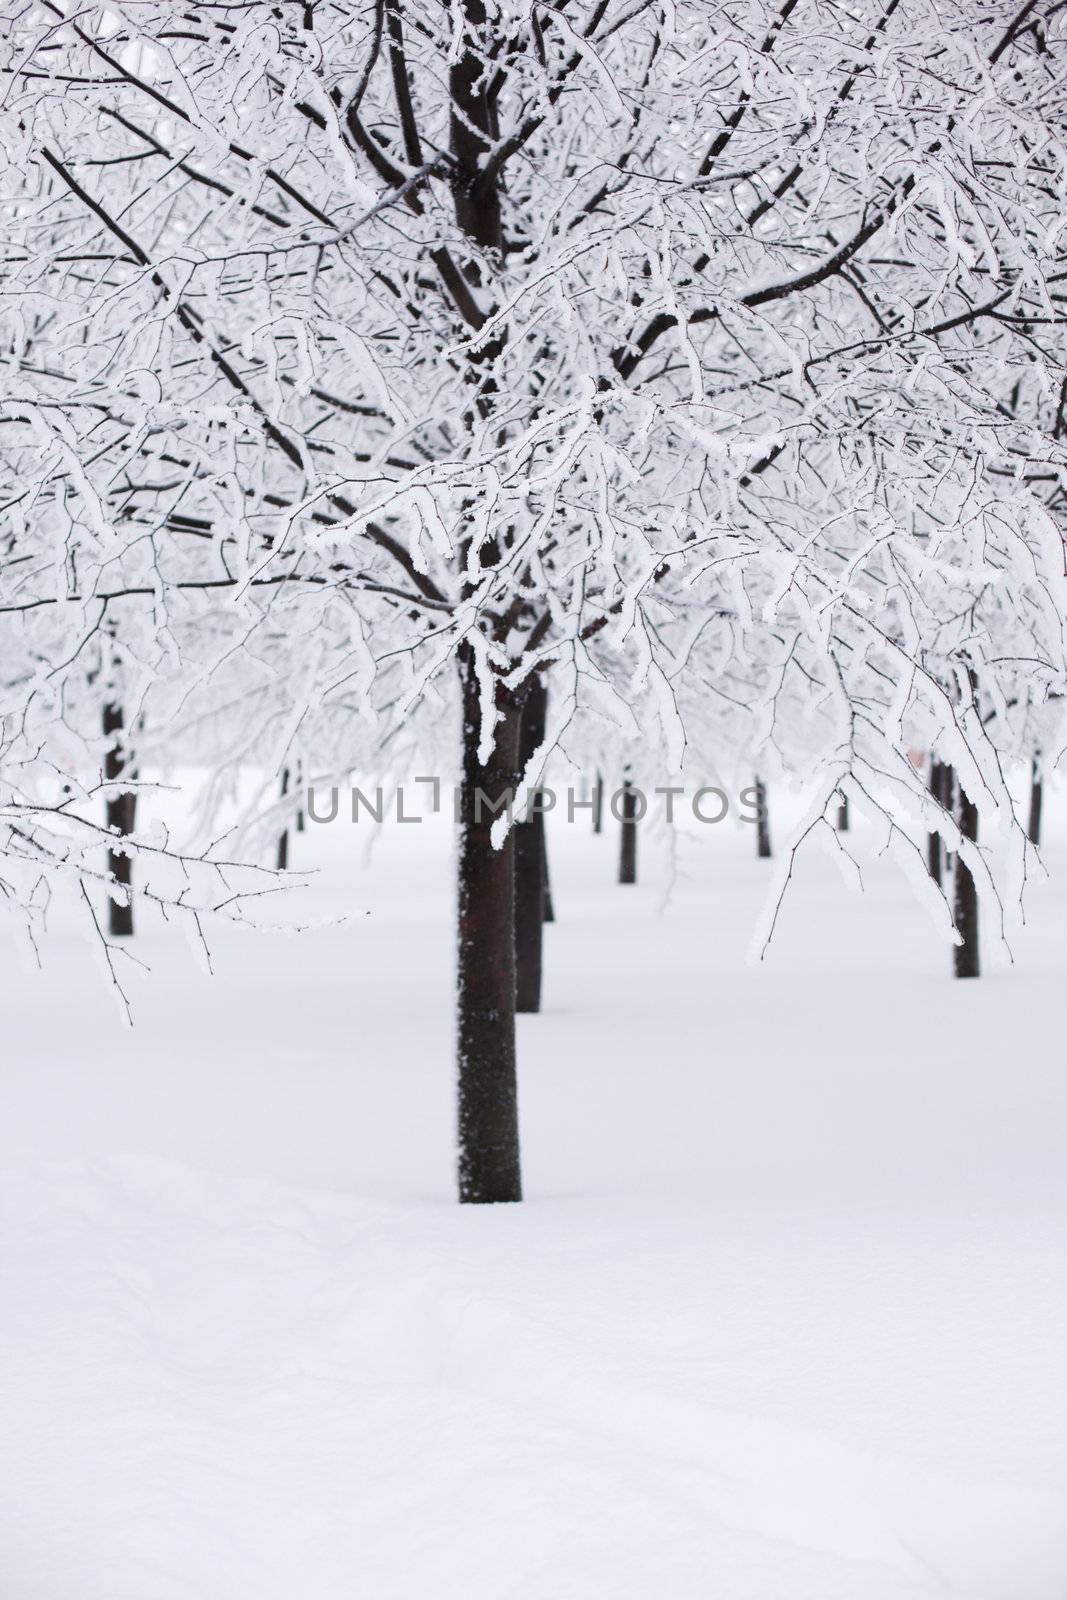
{"x":1033,"y":826}
{"x":763,"y":820}
{"x":628,"y":820}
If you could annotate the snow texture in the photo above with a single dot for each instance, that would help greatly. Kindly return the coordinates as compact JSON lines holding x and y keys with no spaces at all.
{"x":784,"y":1316}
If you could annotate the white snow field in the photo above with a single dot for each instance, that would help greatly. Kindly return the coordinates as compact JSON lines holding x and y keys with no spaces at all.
{"x":783,"y":1316}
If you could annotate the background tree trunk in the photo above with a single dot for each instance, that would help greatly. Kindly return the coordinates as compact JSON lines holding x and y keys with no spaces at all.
{"x":531,"y":886}
{"x":550,"y":910}
{"x":842,"y":815}
{"x":489,"y":1167}
{"x":628,"y":832}
{"x":283,"y":837}
{"x":598,"y":803}
{"x":1033,"y":828}
{"x":300,"y":792}
{"x":763,"y":820}
{"x":966,"y":894}
{"x":121,"y":811}
{"x":935,"y":854}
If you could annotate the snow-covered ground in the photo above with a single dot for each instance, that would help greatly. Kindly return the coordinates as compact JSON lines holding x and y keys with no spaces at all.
{"x":783,"y":1317}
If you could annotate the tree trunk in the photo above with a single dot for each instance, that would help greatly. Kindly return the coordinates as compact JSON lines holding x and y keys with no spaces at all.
{"x":763,"y":820}
{"x":935,"y":854}
{"x":488,"y":1099}
{"x":550,"y":910}
{"x":531,"y":886}
{"x":121,"y":810}
{"x":628,"y":840}
{"x":1036,"y":787}
{"x":966,"y":895}
{"x":300,"y":792}
{"x":598,"y":803}
{"x":283,"y":837}
{"x":842,"y":815}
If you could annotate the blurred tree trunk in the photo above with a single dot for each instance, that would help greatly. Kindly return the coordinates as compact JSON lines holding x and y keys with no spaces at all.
{"x":939,"y":784}
{"x":550,"y":910}
{"x":966,"y":894}
{"x":1036,"y":794}
{"x":763,"y":820}
{"x":628,"y":839}
{"x":283,"y":837}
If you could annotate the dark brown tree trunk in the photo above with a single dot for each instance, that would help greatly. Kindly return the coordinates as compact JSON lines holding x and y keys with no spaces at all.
{"x":598,"y":803}
{"x":530,"y":881}
{"x":121,"y":811}
{"x":966,"y":895}
{"x":488,"y":1099}
{"x":283,"y":837}
{"x":1036,"y":787}
{"x":763,"y":820}
{"x":935,"y":854}
{"x":842,"y":815}
{"x":628,"y":835}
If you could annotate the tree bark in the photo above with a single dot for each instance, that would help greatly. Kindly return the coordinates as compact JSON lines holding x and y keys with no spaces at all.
{"x":628,"y":835}
{"x":121,"y":811}
{"x":842,"y":815}
{"x":966,"y":894}
{"x":1036,"y":794}
{"x":598,"y":803}
{"x":763,"y":820}
{"x":531,"y":885}
{"x":489,"y":1167}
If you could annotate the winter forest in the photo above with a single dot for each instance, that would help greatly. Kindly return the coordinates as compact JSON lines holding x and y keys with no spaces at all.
{"x":533,"y":653}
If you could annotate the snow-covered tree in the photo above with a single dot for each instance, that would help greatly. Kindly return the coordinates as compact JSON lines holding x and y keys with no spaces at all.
{"x":505,"y":339}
